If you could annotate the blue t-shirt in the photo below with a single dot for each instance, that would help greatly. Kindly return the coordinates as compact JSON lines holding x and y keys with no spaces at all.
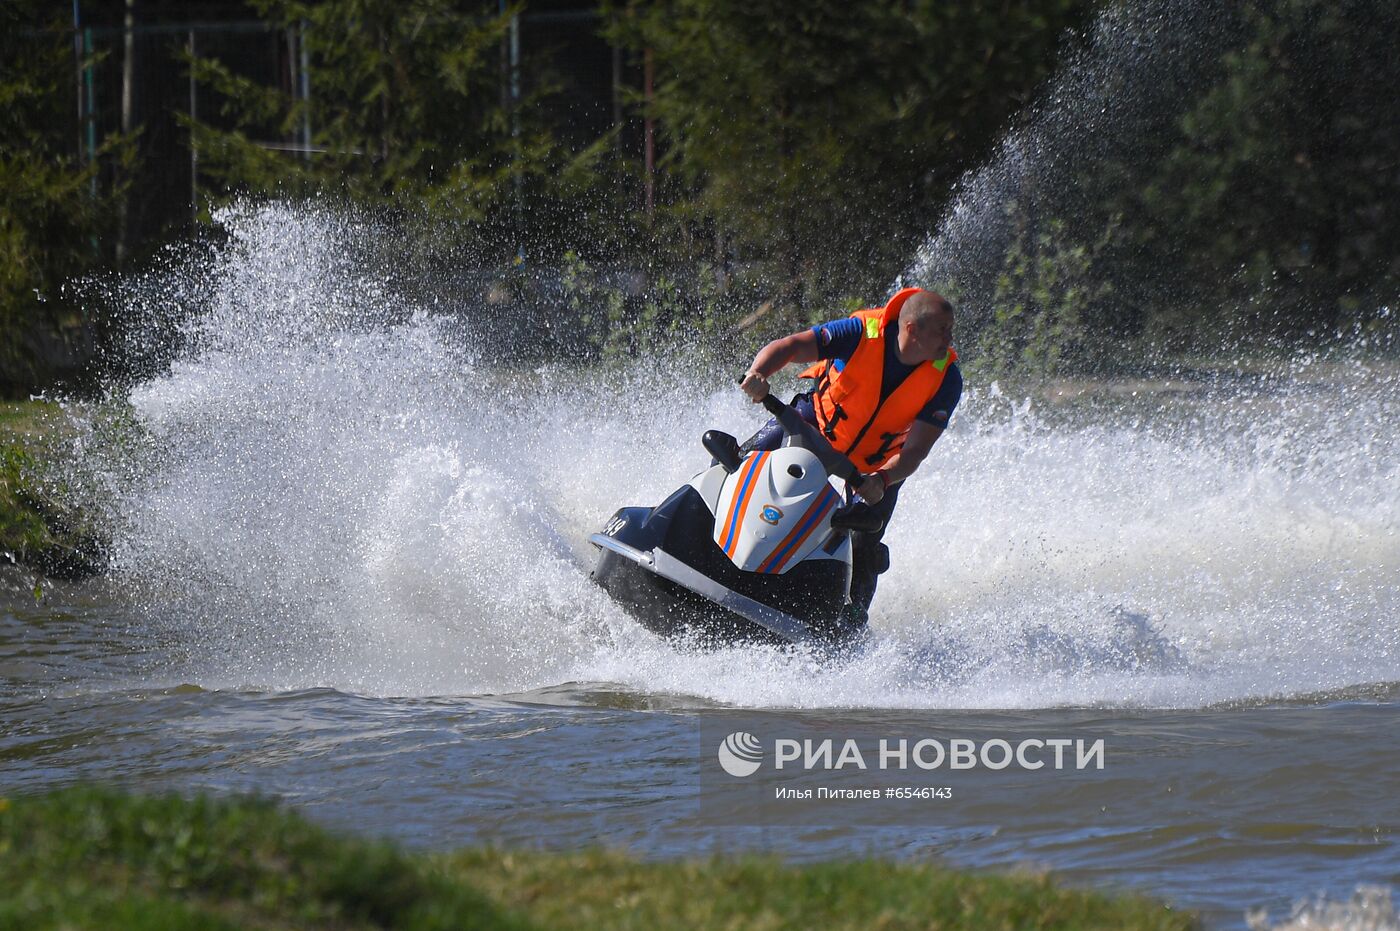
{"x":838,"y":340}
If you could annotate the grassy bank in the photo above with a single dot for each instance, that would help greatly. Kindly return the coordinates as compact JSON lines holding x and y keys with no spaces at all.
{"x":89,"y":858}
{"x":34,"y":531}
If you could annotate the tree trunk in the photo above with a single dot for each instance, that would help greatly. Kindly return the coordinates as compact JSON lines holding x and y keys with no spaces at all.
{"x":128,"y":116}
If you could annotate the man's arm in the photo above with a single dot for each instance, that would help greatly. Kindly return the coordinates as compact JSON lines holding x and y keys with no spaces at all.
{"x":771,"y":359}
{"x":902,"y":464}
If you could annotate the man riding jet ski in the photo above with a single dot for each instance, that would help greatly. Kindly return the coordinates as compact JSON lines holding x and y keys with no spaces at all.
{"x":769,"y":543}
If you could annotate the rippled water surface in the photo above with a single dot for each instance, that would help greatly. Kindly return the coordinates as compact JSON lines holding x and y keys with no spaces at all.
{"x":349,"y":569}
{"x":1217,"y":809}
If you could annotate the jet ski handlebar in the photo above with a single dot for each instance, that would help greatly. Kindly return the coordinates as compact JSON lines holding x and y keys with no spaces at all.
{"x":834,"y":462}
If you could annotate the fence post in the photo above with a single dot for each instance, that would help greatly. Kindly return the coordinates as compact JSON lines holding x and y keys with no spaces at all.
{"x":90,"y":116}
{"x":78,"y":73}
{"x":305,"y":93}
{"x":194,"y":147}
{"x":649,"y":75}
{"x":128,"y":117}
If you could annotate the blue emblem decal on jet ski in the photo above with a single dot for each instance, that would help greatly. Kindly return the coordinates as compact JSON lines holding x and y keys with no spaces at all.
{"x":771,"y":514}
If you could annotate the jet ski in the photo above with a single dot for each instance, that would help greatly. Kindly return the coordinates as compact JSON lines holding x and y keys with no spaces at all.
{"x":756,"y":548}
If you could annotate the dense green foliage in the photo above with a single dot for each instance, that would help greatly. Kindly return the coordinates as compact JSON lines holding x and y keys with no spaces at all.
{"x":93,"y":859}
{"x":1263,"y":214}
{"x":1282,"y":192}
{"x":814,"y":144}
{"x":407,"y":104}
{"x":53,"y":213}
{"x":804,"y":150}
{"x":34,"y":530}
{"x":1048,"y":287}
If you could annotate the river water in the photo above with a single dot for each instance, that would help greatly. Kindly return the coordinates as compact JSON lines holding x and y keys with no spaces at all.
{"x":349,"y":569}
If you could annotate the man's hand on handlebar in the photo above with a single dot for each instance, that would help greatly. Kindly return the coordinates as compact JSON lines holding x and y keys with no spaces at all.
{"x":871,"y":488}
{"x":754,"y":385}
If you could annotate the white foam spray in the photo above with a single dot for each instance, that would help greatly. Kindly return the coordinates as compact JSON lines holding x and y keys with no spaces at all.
{"x":329,"y":488}
{"x":1113,"y":102}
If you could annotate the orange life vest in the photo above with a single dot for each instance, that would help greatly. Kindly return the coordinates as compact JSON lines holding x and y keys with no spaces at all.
{"x":847,"y":400}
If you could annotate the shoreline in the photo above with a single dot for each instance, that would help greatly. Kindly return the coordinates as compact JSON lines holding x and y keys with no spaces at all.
{"x":35,"y":532}
{"x":81,"y":857}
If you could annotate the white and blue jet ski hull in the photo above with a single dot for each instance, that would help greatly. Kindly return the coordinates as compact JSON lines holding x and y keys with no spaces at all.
{"x":664,"y":567}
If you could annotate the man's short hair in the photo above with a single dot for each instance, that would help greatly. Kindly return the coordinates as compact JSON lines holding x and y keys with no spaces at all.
{"x":925,"y":304}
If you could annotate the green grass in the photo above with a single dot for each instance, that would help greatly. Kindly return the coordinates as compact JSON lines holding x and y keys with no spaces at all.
{"x":33,"y":530}
{"x":90,"y":858}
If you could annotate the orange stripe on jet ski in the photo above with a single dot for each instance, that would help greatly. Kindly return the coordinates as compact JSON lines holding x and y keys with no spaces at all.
{"x":741,"y":503}
{"x":726,"y":534}
{"x":800,"y":531}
